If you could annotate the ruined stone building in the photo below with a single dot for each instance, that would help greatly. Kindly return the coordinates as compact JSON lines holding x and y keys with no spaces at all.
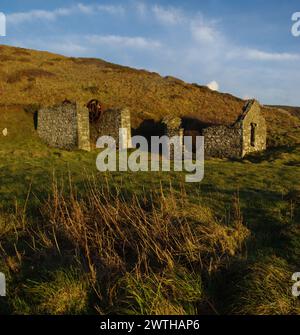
{"x":247,"y":135}
{"x":71,"y":126}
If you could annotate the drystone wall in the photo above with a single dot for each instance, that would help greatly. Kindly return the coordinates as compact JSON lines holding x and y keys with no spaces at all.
{"x":223,"y":142}
{"x":57,"y":126}
{"x":111,"y":121}
{"x":247,"y":135}
{"x":64,"y":126}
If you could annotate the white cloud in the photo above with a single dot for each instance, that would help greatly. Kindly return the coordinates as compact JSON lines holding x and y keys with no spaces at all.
{"x":168,"y":16}
{"x":268,"y":56}
{"x":66,"y":45}
{"x":70,"y":48}
{"x":124,"y":41}
{"x":51,"y":15}
{"x":111,"y":9}
{"x":93,"y":9}
{"x":17,"y":18}
{"x":261,"y":55}
{"x":86,"y":9}
{"x":203,"y":31}
{"x":213,"y":85}
{"x":88,"y":45}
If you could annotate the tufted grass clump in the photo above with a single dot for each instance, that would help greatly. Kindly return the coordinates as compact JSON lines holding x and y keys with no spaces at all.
{"x":265,"y":288}
{"x":62,"y":292}
{"x":170,"y":293}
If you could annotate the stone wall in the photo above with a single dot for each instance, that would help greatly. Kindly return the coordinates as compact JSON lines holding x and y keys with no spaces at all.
{"x":110,"y":123}
{"x":57,"y":126}
{"x":172,"y":127}
{"x":83,"y":128}
{"x":247,"y":135}
{"x":64,"y":126}
{"x":223,"y":141}
{"x":252,"y":118}
{"x":67,"y":126}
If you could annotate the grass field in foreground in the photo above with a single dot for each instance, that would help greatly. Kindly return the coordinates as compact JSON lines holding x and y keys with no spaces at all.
{"x":73,"y":240}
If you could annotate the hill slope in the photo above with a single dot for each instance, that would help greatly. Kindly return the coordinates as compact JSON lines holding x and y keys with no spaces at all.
{"x":77,"y":241}
{"x":35,"y":77}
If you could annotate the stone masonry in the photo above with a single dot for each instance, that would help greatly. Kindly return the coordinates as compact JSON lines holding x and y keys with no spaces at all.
{"x":222,"y":141}
{"x":110,"y":123}
{"x":254,"y":128}
{"x":65,"y":126}
{"x":248,"y":134}
{"x":172,"y":127}
{"x":83,"y":128}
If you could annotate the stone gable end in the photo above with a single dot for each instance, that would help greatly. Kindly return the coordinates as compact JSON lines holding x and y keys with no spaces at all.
{"x":254,"y":129}
{"x":248,"y":134}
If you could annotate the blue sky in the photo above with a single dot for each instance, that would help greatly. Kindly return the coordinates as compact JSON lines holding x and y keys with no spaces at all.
{"x":244,"y":47}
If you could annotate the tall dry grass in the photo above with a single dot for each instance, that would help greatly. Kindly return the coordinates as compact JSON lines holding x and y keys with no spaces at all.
{"x":153,"y":239}
{"x":141,"y":254}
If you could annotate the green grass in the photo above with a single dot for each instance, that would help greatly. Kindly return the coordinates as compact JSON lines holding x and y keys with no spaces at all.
{"x":76,"y":241}
{"x":241,"y":272}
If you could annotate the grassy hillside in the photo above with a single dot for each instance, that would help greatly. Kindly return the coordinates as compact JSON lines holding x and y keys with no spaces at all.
{"x":292,"y":109}
{"x":76,"y":241}
{"x":41,"y":78}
